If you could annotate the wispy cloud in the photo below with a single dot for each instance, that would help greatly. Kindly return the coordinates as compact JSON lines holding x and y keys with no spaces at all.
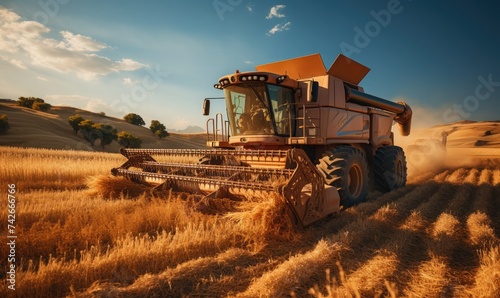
{"x":80,"y":43}
{"x":18,"y":63}
{"x":275,"y":12}
{"x":23,"y":42}
{"x":129,"y":81}
{"x":78,"y":101}
{"x":249,"y":7}
{"x":279,"y":28}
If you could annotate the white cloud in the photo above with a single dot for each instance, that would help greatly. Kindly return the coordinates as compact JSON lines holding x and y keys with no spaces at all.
{"x":248,"y":62}
{"x":78,"y":101}
{"x":42,"y":78}
{"x":279,"y":28}
{"x":80,"y":43}
{"x":18,"y":63}
{"x":74,"y":53}
{"x":250,"y":7}
{"x":275,"y":12}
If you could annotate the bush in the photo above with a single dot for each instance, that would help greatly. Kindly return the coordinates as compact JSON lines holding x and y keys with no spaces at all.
{"x":29,"y":101}
{"x":158,"y":129}
{"x":127,"y":140}
{"x":41,"y":106}
{"x":134,"y":119}
{"x":4,"y":123}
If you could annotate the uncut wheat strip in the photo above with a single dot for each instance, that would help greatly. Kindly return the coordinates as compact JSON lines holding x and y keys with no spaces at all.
{"x":487,"y":276}
{"x":483,"y":238}
{"x":368,"y":280}
{"x":429,"y":280}
{"x":496,"y":177}
{"x":38,"y":171}
{"x":439,"y":233}
{"x":480,"y":230}
{"x":486,"y":177}
{"x":457,"y":176}
{"x":472,"y":176}
{"x":441,"y":177}
{"x":433,"y":277}
{"x":184,"y":278}
{"x":370,"y":207}
{"x":289,"y":275}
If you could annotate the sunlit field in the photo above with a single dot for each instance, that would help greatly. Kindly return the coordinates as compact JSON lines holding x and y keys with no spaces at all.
{"x":83,"y":233}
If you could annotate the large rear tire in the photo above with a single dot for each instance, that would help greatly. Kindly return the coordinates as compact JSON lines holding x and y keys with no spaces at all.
{"x":389,"y":168}
{"x":345,"y":168}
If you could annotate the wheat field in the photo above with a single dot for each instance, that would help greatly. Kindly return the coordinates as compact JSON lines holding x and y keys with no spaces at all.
{"x":82,"y":233}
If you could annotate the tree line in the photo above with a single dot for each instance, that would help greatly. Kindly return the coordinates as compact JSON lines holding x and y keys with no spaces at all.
{"x":34,"y":103}
{"x":106,"y":134}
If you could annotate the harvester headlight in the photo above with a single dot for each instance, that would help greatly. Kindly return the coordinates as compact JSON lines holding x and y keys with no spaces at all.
{"x":224,"y":82}
{"x":281,"y":79}
{"x":246,"y":78}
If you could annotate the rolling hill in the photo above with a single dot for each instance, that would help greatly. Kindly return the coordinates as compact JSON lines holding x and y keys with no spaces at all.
{"x":36,"y":129}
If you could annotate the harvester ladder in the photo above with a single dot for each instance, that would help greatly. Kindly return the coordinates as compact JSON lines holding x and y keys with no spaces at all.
{"x":306,"y":123}
{"x":217,"y":129}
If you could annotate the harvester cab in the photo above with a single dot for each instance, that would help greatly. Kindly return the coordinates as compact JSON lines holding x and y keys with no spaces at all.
{"x":294,"y":128}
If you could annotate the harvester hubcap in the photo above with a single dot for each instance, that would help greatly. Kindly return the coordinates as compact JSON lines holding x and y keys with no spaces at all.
{"x":355,"y":180}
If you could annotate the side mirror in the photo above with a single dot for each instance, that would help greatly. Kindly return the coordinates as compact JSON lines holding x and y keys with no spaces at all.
{"x":206,"y":107}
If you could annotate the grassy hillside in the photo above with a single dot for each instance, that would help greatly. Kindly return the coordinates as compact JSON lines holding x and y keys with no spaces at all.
{"x":30,"y":128}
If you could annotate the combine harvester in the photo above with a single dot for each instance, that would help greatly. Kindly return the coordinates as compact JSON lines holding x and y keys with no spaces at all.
{"x":293,"y":128}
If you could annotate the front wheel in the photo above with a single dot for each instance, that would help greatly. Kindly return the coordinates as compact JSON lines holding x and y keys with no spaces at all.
{"x":389,"y":168}
{"x":345,"y":168}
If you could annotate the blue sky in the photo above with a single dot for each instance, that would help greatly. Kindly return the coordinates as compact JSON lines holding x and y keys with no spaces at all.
{"x":159,"y":59}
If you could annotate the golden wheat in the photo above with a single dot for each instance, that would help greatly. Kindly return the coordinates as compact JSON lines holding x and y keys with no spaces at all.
{"x":84,"y":233}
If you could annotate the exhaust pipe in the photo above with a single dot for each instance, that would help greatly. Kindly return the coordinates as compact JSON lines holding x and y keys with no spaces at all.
{"x":401,"y":109}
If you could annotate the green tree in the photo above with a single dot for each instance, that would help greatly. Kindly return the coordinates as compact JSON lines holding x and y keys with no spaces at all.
{"x":158,"y":129}
{"x":134,"y":119}
{"x":74,"y":121}
{"x":88,"y":131}
{"x":127,"y":140}
{"x":161,"y":133}
{"x":105,"y":133}
{"x":4,"y":123}
{"x":41,"y":106}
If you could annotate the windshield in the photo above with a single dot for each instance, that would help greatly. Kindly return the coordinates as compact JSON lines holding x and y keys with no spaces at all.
{"x":258,"y":109}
